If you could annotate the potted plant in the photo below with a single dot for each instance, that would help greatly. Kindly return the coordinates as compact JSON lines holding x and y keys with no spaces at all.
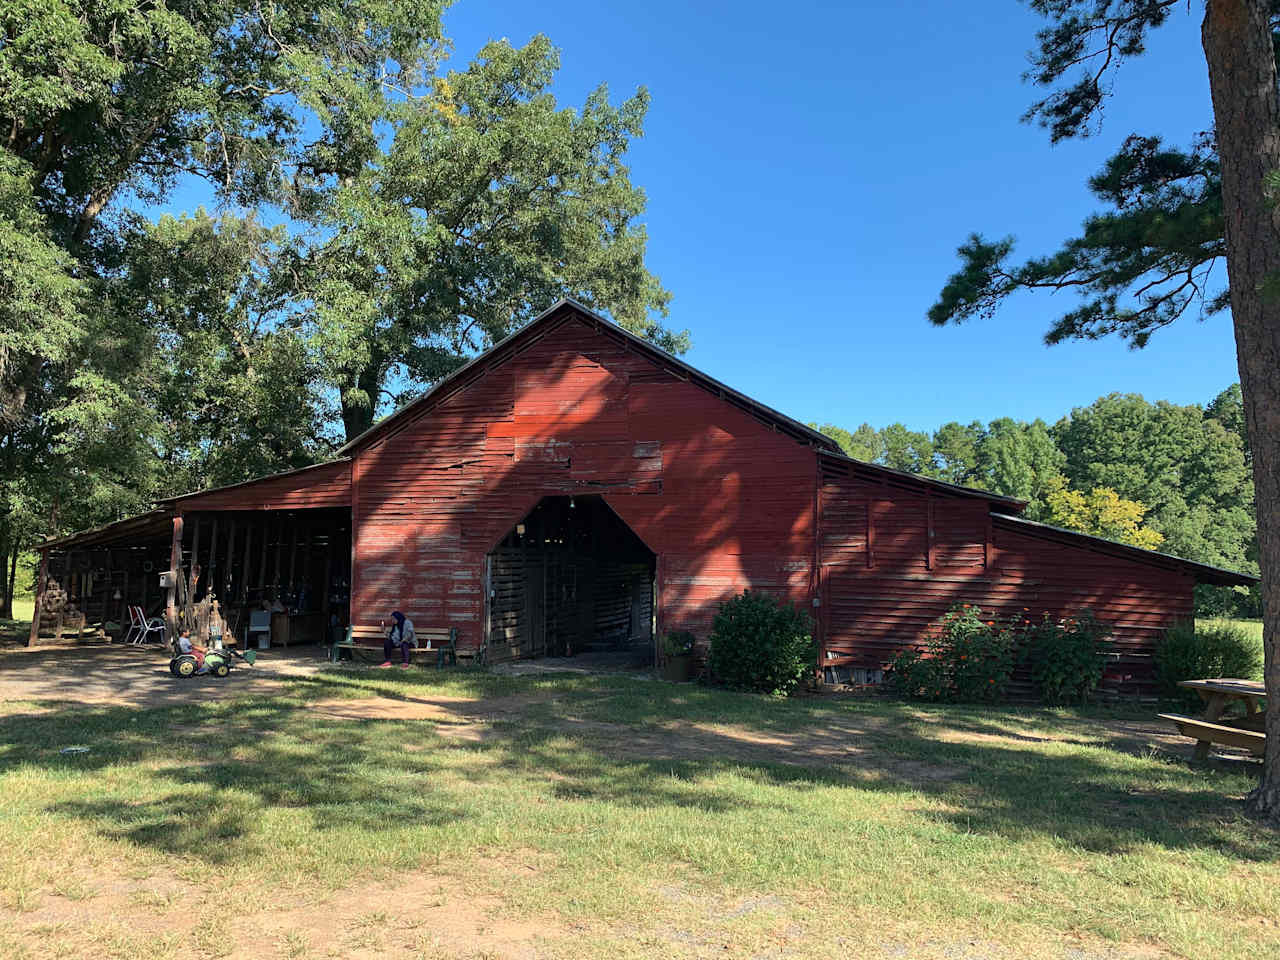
{"x":677,"y":656}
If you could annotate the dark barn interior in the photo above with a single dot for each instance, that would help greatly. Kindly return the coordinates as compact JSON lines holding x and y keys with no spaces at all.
{"x":301,"y":558}
{"x":571,"y":578}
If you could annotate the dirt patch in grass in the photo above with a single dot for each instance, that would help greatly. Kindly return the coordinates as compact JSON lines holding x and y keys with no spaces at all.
{"x":419,"y":914}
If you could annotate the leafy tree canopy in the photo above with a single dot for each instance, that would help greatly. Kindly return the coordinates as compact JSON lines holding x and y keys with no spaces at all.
{"x":1101,"y":512}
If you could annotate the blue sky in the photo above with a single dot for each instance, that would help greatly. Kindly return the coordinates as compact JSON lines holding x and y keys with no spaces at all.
{"x":811,"y":168}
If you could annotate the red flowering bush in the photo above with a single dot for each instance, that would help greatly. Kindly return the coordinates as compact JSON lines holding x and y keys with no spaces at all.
{"x":969,"y":657}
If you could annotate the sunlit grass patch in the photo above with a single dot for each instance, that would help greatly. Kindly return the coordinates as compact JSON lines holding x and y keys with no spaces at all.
{"x":664,"y":820}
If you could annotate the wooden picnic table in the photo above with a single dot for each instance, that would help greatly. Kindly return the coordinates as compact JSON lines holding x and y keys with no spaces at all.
{"x":1217,"y":694}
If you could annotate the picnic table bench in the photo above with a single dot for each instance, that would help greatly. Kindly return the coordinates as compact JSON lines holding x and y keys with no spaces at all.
{"x":443,"y":640}
{"x":1217,"y":694}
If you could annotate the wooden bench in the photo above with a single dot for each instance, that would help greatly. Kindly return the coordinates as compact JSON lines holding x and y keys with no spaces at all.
{"x":1207,"y":732}
{"x":443,"y":640}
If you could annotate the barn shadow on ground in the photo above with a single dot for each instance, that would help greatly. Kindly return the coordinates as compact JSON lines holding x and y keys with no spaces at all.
{"x":206,"y":781}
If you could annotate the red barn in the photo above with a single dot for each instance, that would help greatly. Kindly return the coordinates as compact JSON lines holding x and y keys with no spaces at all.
{"x":576,"y":488}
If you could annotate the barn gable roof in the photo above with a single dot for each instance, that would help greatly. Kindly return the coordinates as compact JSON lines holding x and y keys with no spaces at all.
{"x":563,"y":311}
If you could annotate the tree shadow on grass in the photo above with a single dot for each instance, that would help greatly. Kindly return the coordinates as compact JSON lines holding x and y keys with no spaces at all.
{"x":198,"y":778}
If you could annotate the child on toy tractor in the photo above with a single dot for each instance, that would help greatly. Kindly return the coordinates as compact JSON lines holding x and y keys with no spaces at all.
{"x":185,"y":645}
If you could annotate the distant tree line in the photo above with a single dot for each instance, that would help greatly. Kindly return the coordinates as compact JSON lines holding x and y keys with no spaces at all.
{"x":1156,"y":475}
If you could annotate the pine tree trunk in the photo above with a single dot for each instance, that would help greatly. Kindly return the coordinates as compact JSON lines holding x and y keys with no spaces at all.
{"x":1236,"y":35}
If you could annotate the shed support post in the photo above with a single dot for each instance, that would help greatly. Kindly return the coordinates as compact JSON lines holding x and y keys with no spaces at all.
{"x":293,"y":557}
{"x":194,"y":582}
{"x":244,"y":567}
{"x":107,"y":588}
{"x":328,"y":576}
{"x":42,"y":585}
{"x":211,"y":569}
{"x":175,"y":564}
{"x":230,"y":554}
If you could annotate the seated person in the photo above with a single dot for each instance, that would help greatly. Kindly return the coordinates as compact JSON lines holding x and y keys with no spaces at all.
{"x":186,"y":646}
{"x":400,"y":634}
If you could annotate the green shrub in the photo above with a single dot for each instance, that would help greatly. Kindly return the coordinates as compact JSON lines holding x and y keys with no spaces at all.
{"x":969,"y":658}
{"x":921,"y":674}
{"x":1188,"y":652}
{"x":760,"y":644}
{"x":1066,"y":659}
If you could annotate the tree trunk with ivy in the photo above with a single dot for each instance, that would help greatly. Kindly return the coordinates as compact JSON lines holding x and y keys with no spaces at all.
{"x":1238,"y":47}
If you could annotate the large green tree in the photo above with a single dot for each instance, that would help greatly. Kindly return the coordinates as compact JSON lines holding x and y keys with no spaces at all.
{"x":104,"y":106}
{"x":1185,"y":467}
{"x":1020,"y":460}
{"x":235,"y":388}
{"x":1170,"y":214}
{"x":489,"y":202}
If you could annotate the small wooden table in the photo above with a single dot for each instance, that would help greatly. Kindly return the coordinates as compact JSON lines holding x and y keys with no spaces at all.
{"x":1247,"y":732}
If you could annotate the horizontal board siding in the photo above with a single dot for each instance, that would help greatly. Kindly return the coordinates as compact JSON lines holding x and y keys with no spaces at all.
{"x":874,"y":609}
{"x":725,"y":501}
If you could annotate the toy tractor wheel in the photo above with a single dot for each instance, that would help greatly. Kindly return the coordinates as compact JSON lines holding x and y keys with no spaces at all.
{"x":184,"y":666}
{"x":220,"y":669}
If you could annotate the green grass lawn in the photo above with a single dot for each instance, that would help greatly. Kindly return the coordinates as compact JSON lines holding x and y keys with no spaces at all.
{"x":14,"y":632}
{"x":570,"y":816}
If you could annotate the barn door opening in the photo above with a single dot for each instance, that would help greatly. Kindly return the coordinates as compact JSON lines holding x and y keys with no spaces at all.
{"x":571,"y":579}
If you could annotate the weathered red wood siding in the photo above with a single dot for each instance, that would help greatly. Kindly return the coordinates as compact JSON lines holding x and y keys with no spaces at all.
{"x":724,"y":500}
{"x":886,"y":580}
{"x":325,"y":485}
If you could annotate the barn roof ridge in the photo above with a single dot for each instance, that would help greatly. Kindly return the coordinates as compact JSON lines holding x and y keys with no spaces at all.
{"x":1222,"y":576}
{"x":657,"y":354}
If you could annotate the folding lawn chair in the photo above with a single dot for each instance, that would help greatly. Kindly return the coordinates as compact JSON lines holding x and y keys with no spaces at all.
{"x":153,"y":626}
{"x":134,"y":633}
